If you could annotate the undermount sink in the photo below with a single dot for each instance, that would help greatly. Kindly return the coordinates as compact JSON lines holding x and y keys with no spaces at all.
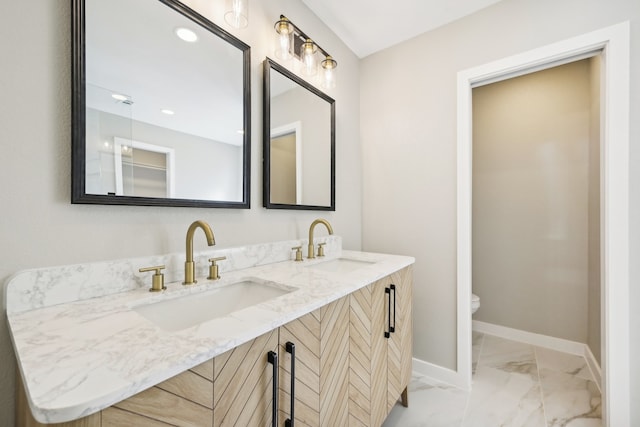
{"x":190,"y":310}
{"x":340,"y":265}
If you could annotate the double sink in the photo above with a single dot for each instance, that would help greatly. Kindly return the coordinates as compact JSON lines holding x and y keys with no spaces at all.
{"x":183,"y":312}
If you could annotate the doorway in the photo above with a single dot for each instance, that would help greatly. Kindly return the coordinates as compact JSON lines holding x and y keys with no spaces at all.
{"x":614,"y":43}
{"x":536,"y":204}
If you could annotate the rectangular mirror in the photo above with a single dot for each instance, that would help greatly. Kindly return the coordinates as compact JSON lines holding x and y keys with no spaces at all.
{"x":299,"y":143}
{"x":161,"y":107}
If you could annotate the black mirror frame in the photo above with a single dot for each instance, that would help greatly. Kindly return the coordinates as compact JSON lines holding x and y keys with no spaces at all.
{"x":78,"y":118}
{"x":266,"y":138}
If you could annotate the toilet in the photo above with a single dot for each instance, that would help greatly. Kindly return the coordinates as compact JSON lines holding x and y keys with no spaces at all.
{"x":475,"y":303}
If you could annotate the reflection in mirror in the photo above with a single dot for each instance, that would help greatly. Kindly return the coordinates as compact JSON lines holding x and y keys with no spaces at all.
{"x":159,"y":117}
{"x":299,"y":143}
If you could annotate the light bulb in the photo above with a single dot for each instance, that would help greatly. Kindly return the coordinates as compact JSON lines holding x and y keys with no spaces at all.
{"x":284,"y":29}
{"x":237,"y":13}
{"x":308,"y":54}
{"x":329,"y":70}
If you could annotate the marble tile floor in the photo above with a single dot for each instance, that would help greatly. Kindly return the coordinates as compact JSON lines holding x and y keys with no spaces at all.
{"x":514,"y":385}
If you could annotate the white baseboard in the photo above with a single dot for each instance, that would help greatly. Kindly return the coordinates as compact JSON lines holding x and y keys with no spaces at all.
{"x":594,"y":366}
{"x":539,"y":340}
{"x":438,"y":373}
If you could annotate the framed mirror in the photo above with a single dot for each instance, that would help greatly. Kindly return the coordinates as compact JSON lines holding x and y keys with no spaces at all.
{"x":299,"y":143}
{"x":161,"y":107}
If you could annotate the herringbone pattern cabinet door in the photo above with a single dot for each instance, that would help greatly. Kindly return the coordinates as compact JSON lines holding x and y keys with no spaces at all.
{"x":399,"y":355}
{"x":334,"y":364}
{"x":184,"y":400}
{"x":321,"y":341}
{"x":368,"y":357}
{"x":242,"y":388}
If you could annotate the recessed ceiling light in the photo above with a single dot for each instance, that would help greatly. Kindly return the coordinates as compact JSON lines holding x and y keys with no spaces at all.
{"x":186,"y":34}
{"x":119,"y":97}
{"x":167,"y":112}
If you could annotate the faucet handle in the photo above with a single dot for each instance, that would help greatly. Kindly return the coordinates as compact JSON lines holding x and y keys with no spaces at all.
{"x":214,"y":272}
{"x":157,"y":281}
{"x":298,"y":250}
{"x":321,"y":248}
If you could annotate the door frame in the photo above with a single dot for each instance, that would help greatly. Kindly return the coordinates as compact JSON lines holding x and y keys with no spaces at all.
{"x":614,"y":42}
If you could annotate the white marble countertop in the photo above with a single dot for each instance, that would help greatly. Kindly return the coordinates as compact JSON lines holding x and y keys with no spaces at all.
{"x":79,"y":357}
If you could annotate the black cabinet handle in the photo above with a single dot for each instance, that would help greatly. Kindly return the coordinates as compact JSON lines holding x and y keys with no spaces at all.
{"x":387,"y":333}
{"x":272,"y":357}
{"x":291,"y":348}
{"x":393,"y":328}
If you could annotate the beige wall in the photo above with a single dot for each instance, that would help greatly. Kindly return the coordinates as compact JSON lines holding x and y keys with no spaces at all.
{"x":408,"y":126}
{"x":530,"y":201}
{"x":283,"y":169}
{"x":39,"y":227}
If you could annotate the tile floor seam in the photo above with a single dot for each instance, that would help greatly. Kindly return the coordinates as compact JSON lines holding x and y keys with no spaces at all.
{"x":544,"y":409}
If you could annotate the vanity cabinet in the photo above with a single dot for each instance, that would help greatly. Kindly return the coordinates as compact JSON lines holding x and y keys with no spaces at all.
{"x":350,"y":362}
{"x":380,"y":355}
{"x":321,"y":365}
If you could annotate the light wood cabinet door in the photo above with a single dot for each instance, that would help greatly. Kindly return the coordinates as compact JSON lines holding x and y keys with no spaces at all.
{"x":185,"y":400}
{"x":368,"y":356}
{"x":400,"y":346}
{"x":321,"y":380}
{"x":380,"y":334}
{"x":243,"y":384}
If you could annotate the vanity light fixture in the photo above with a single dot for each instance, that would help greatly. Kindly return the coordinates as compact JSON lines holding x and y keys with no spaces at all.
{"x":186,"y":35}
{"x":292,"y":42}
{"x":237,"y":13}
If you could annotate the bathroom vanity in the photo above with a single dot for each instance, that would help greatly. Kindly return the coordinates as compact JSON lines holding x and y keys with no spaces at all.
{"x":330,"y":346}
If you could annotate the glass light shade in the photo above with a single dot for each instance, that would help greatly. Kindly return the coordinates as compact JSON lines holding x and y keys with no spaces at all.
{"x":284,"y":28}
{"x":237,"y":13}
{"x":329,"y":72}
{"x":308,"y":56}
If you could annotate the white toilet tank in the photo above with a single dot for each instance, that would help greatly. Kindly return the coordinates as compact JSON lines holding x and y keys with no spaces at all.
{"x":475,"y":303}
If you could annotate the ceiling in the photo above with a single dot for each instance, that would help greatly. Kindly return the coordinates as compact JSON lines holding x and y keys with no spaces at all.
{"x":367,"y":26}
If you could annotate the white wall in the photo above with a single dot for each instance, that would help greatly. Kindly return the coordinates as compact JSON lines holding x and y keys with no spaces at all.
{"x":39,"y":227}
{"x":408,"y":129}
{"x":530,"y":201}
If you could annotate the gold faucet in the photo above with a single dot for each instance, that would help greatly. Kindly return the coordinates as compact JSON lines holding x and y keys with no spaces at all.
{"x":189,"y":265}
{"x":310,"y":252}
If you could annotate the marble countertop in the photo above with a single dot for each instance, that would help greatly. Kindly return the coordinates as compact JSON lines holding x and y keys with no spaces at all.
{"x":79,"y":357}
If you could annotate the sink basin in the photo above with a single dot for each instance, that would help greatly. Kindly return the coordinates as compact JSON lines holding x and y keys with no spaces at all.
{"x":340,"y":265}
{"x":190,"y":310}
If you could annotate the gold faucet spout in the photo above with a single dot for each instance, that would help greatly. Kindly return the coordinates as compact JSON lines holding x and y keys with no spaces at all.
{"x":310,"y":251}
{"x":189,"y":265}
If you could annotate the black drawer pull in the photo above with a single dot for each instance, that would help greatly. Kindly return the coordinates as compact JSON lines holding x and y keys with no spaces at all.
{"x":291,"y":348}
{"x":272,"y":357}
{"x":387,"y":332}
{"x":392,"y":328}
